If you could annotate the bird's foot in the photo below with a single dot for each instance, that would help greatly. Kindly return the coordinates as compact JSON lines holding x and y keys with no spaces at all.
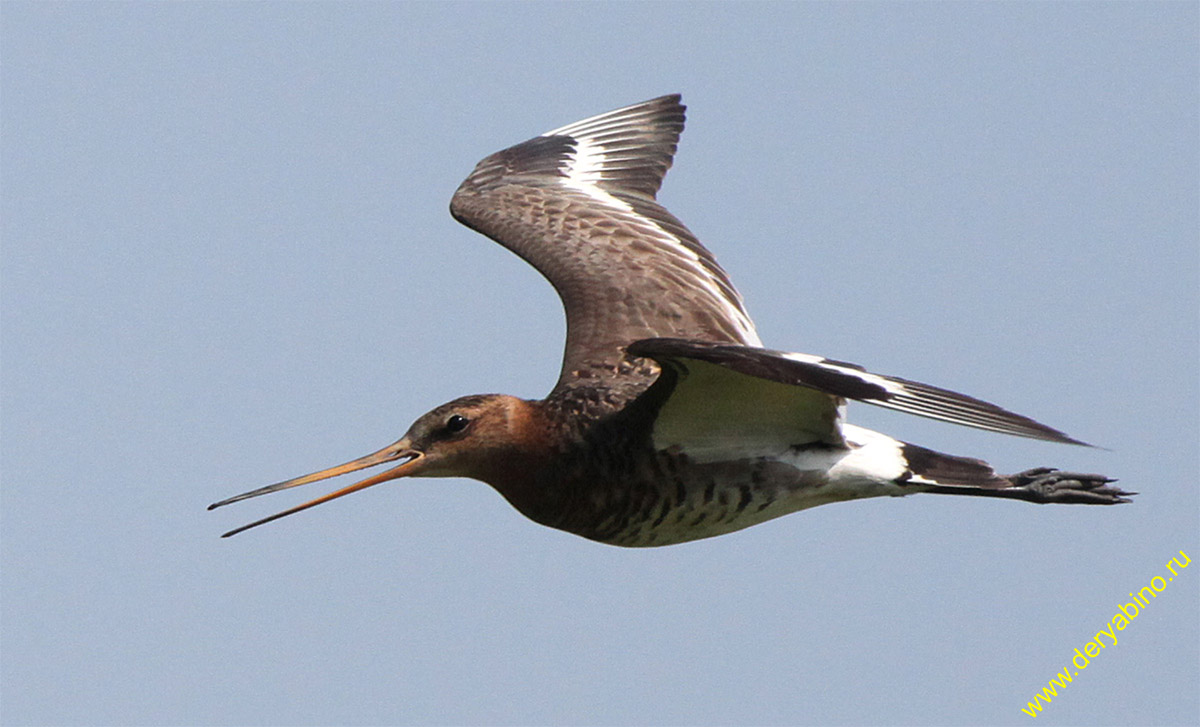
{"x":1046,"y":484}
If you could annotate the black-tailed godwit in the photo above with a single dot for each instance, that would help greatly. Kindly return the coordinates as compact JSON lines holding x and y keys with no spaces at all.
{"x":669,"y":422}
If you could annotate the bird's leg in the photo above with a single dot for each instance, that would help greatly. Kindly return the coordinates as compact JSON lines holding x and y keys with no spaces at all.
{"x":1043,"y":485}
{"x":1046,"y":484}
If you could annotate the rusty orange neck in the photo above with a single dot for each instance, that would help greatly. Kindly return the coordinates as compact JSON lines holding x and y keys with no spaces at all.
{"x":516,"y":460}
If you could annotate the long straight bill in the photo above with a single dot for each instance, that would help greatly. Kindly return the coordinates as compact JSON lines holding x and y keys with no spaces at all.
{"x":399,"y":450}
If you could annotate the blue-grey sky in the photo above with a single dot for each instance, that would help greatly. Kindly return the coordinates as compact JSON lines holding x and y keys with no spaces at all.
{"x":227,"y":260}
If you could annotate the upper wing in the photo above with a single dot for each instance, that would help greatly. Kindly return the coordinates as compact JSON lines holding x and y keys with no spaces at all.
{"x":834,"y":380}
{"x":578,"y":203}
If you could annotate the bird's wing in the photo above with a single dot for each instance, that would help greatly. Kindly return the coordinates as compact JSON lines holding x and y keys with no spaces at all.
{"x":578,"y":203}
{"x":699,"y":377}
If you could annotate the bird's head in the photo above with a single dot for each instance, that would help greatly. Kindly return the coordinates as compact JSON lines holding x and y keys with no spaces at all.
{"x":485,"y":437}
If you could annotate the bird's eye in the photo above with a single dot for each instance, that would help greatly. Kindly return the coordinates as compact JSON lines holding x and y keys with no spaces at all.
{"x":456,"y":423}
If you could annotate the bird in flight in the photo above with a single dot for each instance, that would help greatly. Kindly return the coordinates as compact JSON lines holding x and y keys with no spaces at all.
{"x":669,"y":421}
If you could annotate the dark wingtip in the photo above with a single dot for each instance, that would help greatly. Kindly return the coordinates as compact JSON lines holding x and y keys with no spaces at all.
{"x":1067,"y":439}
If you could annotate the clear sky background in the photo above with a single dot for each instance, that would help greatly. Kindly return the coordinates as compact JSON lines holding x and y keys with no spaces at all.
{"x":227,"y":260}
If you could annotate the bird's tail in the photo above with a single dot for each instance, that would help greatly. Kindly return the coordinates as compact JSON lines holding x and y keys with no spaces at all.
{"x":947,"y":474}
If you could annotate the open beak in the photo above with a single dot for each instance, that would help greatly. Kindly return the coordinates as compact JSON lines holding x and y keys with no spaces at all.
{"x":400,"y":450}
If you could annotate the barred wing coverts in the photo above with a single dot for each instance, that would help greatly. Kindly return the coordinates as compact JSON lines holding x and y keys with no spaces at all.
{"x":578,"y":203}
